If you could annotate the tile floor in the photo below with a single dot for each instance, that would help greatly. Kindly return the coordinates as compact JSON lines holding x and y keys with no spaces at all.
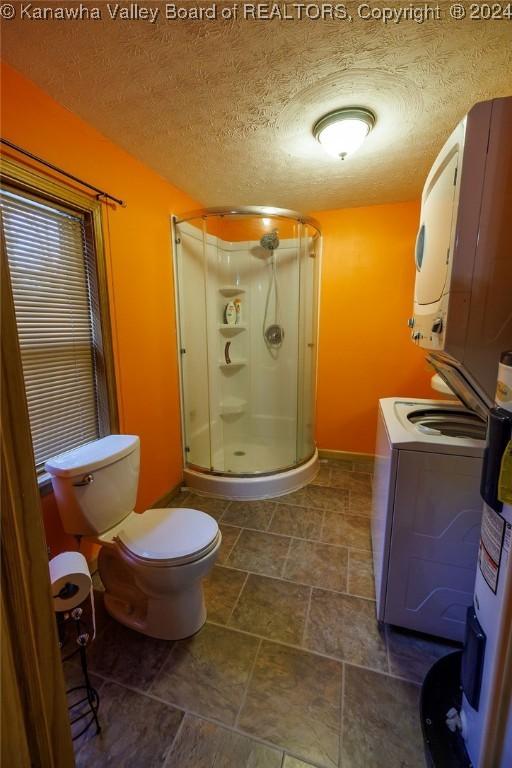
{"x":291,"y":669}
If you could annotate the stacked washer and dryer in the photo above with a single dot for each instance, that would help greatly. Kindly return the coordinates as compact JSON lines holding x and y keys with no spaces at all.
{"x":426,"y":504}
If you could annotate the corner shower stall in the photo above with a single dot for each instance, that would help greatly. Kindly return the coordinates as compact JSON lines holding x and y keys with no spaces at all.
{"x":247,"y":284}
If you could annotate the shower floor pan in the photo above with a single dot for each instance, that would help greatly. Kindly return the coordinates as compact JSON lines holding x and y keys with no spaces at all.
{"x":255,"y":457}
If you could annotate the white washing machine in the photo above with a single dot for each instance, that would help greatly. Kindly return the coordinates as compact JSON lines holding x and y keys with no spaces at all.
{"x":426,"y":513}
{"x":427,"y":508}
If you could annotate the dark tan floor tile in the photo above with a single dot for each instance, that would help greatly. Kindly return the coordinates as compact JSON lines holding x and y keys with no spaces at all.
{"x":360,"y":574}
{"x":317,"y":497}
{"x":324,"y":475}
{"x":293,"y":701}
{"x":351,"y":481}
{"x":214,"y":507}
{"x":381,"y":726}
{"x":249,"y":514}
{"x":321,"y":497}
{"x":127,"y":656}
{"x":135,"y":731}
{"x":292,"y":762}
{"x":411,"y":655}
{"x":260,"y":552}
{"x":272,"y":608}
{"x":221,"y":591}
{"x":230,"y":534}
{"x":345,"y":627}
{"x":302,"y":522}
{"x":201,"y":744}
{"x":296,"y":498}
{"x":208,"y":673}
{"x":346,"y":530}
{"x":320,"y":565}
{"x":360,"y":502}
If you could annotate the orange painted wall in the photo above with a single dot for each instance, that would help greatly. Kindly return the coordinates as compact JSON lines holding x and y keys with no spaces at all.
{"x":365,"y":351}
{"x":140,"y":277}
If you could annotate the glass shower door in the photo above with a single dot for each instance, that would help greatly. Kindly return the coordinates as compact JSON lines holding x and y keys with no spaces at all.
{"x":309,"y":256}
{"x":193,"y":339}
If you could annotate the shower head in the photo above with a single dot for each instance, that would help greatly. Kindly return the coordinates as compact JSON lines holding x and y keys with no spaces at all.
{"x":270,"y":240}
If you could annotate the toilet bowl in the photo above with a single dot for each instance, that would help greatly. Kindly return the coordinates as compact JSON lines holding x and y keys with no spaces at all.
{"x":151,"y":564}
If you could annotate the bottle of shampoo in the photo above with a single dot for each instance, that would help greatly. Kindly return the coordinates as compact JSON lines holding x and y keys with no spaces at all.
{"x":230,"y":313}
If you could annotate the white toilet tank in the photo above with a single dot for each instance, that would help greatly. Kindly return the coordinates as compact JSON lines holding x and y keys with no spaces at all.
{"x":96,"y":485}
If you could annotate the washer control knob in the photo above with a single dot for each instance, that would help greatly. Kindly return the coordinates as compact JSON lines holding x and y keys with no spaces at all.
{"x":410,"y":322}
{"x":437,"y":325}
{"x":416,"y":336}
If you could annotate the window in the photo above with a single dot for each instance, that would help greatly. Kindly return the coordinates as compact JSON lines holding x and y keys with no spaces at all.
{"x":52,"y":253}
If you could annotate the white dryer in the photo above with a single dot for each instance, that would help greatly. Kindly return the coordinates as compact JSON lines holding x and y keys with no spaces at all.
{"x":426,"y":513}
{"x":463,"y":289}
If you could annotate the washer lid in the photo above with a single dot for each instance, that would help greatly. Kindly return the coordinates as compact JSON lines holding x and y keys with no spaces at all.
{"x":168,"y":534}
{"x":462,"y":384}
{"x":92,"y":456}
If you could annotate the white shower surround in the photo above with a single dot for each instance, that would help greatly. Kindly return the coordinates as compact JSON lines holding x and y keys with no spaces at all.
{"x":257,"y":408}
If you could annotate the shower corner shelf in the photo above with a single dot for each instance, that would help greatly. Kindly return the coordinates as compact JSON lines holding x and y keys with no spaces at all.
{"x":231,"y":290}
{"x":229,"y":329}
{"x":232,"y":406}
{"x":232,"y":364}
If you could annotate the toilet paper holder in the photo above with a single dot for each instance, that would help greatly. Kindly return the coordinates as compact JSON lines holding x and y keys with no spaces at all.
{"x":85,"y":708}
{"x":71,"y":585}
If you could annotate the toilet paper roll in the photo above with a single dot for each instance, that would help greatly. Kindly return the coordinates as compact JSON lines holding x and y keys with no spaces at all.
{"x":70,"y":579}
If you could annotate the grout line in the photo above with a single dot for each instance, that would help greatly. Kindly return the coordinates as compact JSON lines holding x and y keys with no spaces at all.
{"x":237,"y":599}
{"x":322,"y":529}
{"x":175,"y":740}
{"x":162,"y":665}
{"x":223,"y":511}
{"x":233,"y":544}
{"x":306,"y":618}
{"x":249,"y":679}
{"x":386,"y":638}
{"x":271,"y":520}
{"x":301,"y":538}
{"x":342,"y":706}
{"x":293,"y":581}
{"x":285,"y":560}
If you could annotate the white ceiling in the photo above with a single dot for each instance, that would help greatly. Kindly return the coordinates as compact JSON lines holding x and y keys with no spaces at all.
{"x":224,"y":110}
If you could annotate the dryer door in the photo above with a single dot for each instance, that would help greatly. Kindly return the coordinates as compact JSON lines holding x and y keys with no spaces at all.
{"x":438,"y":213}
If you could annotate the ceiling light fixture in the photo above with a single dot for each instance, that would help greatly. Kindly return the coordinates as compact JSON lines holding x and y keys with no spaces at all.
{"x":343,"y":131}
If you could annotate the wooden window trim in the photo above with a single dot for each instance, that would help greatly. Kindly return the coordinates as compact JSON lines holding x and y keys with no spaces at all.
{"x":34,"y":182}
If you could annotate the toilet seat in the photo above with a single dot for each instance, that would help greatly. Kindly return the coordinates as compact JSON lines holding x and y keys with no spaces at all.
{"x":166,"y":537}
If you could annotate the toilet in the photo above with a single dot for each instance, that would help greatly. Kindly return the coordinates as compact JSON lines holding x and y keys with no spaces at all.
{"x":151,"y":564}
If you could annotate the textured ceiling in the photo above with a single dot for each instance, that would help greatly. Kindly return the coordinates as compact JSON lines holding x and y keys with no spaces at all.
{"x":224,"y":109}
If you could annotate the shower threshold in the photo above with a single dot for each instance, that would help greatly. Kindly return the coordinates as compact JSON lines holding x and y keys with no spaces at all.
{"x":262,"y":486}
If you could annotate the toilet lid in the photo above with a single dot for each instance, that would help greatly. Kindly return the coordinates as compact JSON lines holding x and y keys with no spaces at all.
{"x":168,"y":534}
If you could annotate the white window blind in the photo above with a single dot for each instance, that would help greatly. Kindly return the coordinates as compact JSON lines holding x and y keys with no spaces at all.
{"x":46,"y":252}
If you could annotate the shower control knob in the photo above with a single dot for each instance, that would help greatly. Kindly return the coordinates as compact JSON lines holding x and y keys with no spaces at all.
{"x":437,"y":325}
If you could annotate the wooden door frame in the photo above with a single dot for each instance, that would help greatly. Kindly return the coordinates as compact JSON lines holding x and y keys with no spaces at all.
{"x":35,"y":722}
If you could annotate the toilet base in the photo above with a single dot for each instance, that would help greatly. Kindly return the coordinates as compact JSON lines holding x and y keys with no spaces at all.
{"x":132,"y":600}
{"x":170,"y":624}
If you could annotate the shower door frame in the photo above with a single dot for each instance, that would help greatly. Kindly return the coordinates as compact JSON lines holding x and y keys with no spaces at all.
{"x":248,"y":210}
